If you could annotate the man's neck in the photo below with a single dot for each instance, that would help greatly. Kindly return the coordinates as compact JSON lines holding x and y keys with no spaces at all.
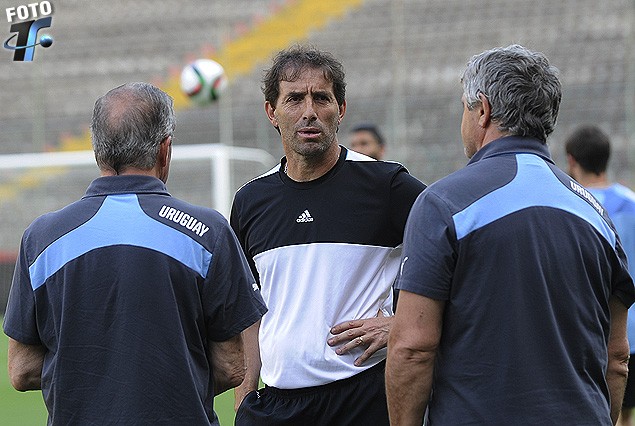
{"x":303,"y":169}
{"x":130,"y":171}
{"x":591,"y":180}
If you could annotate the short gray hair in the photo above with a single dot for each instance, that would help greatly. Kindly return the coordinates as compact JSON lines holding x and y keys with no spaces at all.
{"x":522,"y":88}
{"x":129,"y":122}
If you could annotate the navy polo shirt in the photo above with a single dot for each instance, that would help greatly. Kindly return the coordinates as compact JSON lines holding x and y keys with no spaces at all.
{"x":126,"y":288}
{"x":526,"y":260}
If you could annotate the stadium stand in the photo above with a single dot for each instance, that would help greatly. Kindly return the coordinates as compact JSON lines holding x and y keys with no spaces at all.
{"x":403,"y":60}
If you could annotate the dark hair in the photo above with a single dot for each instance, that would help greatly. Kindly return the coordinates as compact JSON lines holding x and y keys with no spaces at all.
{"x":590,"y":147}
{"x":129,"y":122}
{"x":288,"y":64}
{"x":371,"y":128}
{"x":522,"y":88}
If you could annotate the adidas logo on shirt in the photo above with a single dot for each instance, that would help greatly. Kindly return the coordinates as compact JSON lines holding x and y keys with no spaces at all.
{"x":304,"y":217}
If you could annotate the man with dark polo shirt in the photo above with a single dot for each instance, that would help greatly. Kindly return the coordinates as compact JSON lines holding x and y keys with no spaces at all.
{"x":514,"y":287}
{"x":127,"y":306}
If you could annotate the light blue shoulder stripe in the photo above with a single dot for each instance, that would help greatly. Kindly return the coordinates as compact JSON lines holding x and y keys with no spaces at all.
{"x":119,"y":221}
{"x":534,"y":185}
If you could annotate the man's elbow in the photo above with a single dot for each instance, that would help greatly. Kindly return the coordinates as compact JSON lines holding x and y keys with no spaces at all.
{"x":24,"y":364}
{"x":228,"y":380}
{"x":19,"y":384}
{"x":236,"y":377}
{"x":417,"y":352}
{"x":24,"y":381}
{"x":618,"y":358}
{"x":409,"y":355}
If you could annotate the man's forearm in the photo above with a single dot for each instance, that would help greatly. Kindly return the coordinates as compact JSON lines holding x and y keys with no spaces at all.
{"x":252,"y":364}
{"x":412,"y":347}
{"x":25,"y":365}
{"x":616,"y":380}
{"x":407,"y":370}
{"x":228,"y":363}
{"x":618,"y":353}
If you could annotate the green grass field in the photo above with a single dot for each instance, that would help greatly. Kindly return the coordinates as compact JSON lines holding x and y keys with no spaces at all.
{"x":17,"y":408}
{"x":27,"y":408}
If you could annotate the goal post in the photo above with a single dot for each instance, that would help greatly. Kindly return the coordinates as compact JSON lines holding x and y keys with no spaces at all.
{"x":220,"y":157}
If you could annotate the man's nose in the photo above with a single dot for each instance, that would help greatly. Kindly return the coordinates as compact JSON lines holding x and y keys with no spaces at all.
{"x":309,"y":110}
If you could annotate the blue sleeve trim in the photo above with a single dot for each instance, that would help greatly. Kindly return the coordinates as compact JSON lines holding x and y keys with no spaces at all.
{"x":119,"y":221}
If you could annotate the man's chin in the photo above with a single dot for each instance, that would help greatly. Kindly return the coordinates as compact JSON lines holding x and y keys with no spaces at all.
{"x":310,"y":148}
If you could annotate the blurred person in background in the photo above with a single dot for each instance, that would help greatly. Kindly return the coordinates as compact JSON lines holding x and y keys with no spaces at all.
{"x":514,"y":287}
{"x":365,"y":138}
{"x":322,"y":231}
{"x":588,"y":151}
{"x":127,"y":306}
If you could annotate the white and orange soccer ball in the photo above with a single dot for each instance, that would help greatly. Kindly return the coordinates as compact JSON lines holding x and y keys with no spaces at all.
{"x":203,"y":81}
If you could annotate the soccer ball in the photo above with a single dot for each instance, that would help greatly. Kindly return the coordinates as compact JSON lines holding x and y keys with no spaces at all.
{"x":203,"y":81}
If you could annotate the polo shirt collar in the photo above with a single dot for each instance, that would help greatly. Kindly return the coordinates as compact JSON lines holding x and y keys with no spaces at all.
{"x":126,"y":184}
{"x":512,"y":145}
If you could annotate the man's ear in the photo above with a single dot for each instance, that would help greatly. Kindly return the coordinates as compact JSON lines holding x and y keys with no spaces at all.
{"x":270,"y":110}
{"x":342,"y":112}
{"x":572,"y":163}
{"x":165,"y":146}
{"x":484,"y":110}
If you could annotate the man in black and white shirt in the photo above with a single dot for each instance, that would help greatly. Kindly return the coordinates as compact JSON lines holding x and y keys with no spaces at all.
{"x":322,"y":232}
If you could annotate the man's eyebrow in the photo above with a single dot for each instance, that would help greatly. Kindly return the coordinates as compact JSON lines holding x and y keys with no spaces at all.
{"x":296,"y":93}
{"x":324,"y":93}
{"x":305,"y":92}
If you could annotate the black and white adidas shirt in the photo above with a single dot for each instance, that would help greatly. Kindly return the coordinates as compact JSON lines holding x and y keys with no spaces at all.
{"x":324,"y":251}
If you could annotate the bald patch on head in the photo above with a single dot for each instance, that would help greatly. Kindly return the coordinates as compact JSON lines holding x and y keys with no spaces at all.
{"x":123,"y":101}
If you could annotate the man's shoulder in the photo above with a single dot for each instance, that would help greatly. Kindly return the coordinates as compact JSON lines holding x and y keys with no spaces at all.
{"x":363,"y":161}
{"x":625,"y":193}
{"x":165,"y":203}
{"x":62,"y":220}
{"x":51,"y":226}
{"x":260,"y":182}
{"x":360,"y":169}
{"x":200,"y":223}
{"x":260,"y":191}
{"x":472,"y":182}
{"x":618,"y":199}
{"x":464,"y":177}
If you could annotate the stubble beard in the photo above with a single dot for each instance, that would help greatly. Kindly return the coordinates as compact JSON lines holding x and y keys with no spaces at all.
{"x":313,"y":149}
